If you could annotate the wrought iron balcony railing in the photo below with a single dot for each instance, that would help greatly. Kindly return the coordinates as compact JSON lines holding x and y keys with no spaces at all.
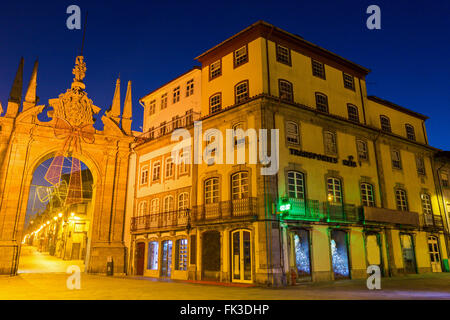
{"x":162,"y":220}
{"x":225,"y":210}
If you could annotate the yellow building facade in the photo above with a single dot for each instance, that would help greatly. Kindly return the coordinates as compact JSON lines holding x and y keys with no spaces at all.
{"x":354,"y":182}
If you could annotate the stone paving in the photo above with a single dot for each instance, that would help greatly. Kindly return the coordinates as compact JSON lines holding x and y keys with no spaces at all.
{"x":31,"y":285}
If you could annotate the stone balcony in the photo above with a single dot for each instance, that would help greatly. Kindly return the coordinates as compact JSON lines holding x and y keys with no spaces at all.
{"x":383,"y":215}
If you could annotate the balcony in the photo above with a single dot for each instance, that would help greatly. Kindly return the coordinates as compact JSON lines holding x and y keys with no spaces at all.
{"x":225,"y":210}
{"x":383,"y":215}
{"x":168,"y":127}
{"x":347,"y":213}
{"x":433,"y":221}
{"x":163,"y":220}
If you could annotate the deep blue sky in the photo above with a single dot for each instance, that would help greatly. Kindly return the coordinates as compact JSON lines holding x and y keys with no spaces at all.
{"x":152,"y":42}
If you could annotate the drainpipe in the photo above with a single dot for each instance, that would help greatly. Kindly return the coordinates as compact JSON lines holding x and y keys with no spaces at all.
{"x":362,"y":101}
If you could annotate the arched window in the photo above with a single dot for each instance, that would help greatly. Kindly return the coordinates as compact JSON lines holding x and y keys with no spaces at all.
{"x":385,"y":123}
{"x":211,"y":190}
{"x":169,"y":167}
{"x":292,"y":132}
{"x":367,"y":197}
{"x":215,"y":103}
{"x":410,"y":134}
{"x":143,"y":208}
{"x":239,"y":185}
{"x":168,"y":204}
{"x":426,"y":203}
{"x":241,"y":91}
{"x":154,"y":206}
{"x":285,"y":90}
{"x":334,"y":190}
{"x":296,"y":185}
{"x":321,"y":102}
{"x":401,"y":200}
{"x":352,"y":113}
{"x":183,"y":201}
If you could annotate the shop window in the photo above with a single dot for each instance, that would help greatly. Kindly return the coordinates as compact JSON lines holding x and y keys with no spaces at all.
{"x":181,"y":249}
{"x":152,"y":255}
{"x":339,"y":254}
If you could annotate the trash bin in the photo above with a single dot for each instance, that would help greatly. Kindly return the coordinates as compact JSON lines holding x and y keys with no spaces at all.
{"x":110,"y":266}
{"x":446,"y":265}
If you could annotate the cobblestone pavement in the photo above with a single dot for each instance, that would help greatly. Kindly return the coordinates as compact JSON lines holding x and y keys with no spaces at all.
{"x":33,"y":261}
{"x":32,"y":285}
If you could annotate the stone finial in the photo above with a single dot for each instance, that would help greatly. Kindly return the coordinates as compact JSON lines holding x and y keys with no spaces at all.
{"x":15,"y":96}
{"x":30,"y":95}
{"x":127,"y":111}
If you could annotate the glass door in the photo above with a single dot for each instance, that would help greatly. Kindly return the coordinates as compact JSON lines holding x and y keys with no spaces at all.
{"x":241,"y":256}
{"x":409,"y":259}
{"x":435,"y":256}
{"x":166,"y":262}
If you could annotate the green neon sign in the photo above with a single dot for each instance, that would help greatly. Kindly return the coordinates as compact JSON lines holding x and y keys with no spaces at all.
{"x":285,"y":207}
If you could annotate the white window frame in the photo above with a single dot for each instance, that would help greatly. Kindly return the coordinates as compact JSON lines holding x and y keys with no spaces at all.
{"x":334,"y":190}
{"x":211,"y":190}
{"x":169,"y":168}
{"x":367,"y":195}
{"x":401,"y":199}
{"x":183,"y":201}
{"x":168,"y":203}
{"x":296,"y":185}
{"x":292,"y":132}
{"x":240,"y":185}
{"x":156,"y":170}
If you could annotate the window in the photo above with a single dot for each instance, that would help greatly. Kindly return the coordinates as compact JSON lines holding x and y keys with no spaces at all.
{"x":426,"y":203}
{"x":352,"y":113}
{"x":292,"y":132}
{"x":237,"y":139}
{"x":152,"y":256}
{"x":420,"y":165}
{"x":385,"y":123}
{"x":283,"y":55}
{"x":168,"y":204}
{"x":176,"y":94}
{"x":410,"y":134}
{"x":239,"y":185}
{"x":152,"y":108}
{"x":154,"y":206}
{"x":183,"y":201}
{"x":318,"y":69}
{"x":361,"y":147}
{"x":164,"y":101}
{"x":444,"y":179}
{"x":367,"y":195}
{"x":215,"y":103}
{"x":330,"y":142}
{"x":240,"y":56}
{"x":401,"y":200}
{"x":241,"y":91}
{"x":190,"y":88}
{"x":184,"y":162}
{"x":215,"y":69}
{"x":296,"y":185}
{"x":143,"y":208}
{"x":181,"y":249}
{"x":349,"y":81}
{"x":285,"y":88}
{"x":169,"y":167}
{"x":156,"y":170}
{"x":321,"y":102}
{"x":162,"y":128}
{"x":334,"y":190}
{"x":212,"y":190}
{"x":396,"y":160}
{"x":144,"y":175}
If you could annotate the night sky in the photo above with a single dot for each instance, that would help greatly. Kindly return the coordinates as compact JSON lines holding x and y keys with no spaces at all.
{"x":152,"y":42}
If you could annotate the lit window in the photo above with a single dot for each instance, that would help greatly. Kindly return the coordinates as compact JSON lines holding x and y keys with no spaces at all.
{"x":239,"y":185}
{"x":396,"y":160}
{"x":361,"y":147}
{"x":154,"y":206}
{"x":183,"y":201}
{"x":330,"y":142}
{"x":410,"y":134}
{"x":144,"y":175}
{"x":215,"y":69}
{"x":164,"y":101}
{"x":292,"y":132}
{"x":318,"y":69}
{"x":426,"y":203}
{"x":176,"y":94}
{"x":321,"y":102}
{"x":156,"y":170}
{"x":241,"y":91}
{"x":168,"y":204}
{"x":420,"y":165}
{"x":401,"y":200}
{"x":190,"y":88}
{"x":352,"y":113}
{"x":349,"y":81}
{"x":169,"y":167}
{"x":385,"y":123}
{"x":152,"y":255}
{"x":283,"y":55}
{"x":296,"y":185}
{"x":212,"y":190}
{"x":334,"y":190}
{"x":152,"y":108}
{"x":367,"y":195}
{"x":215,"y":103}
{"x":285,"y":89}
{"x":181,"y":249}
{"x":240,"y":56}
